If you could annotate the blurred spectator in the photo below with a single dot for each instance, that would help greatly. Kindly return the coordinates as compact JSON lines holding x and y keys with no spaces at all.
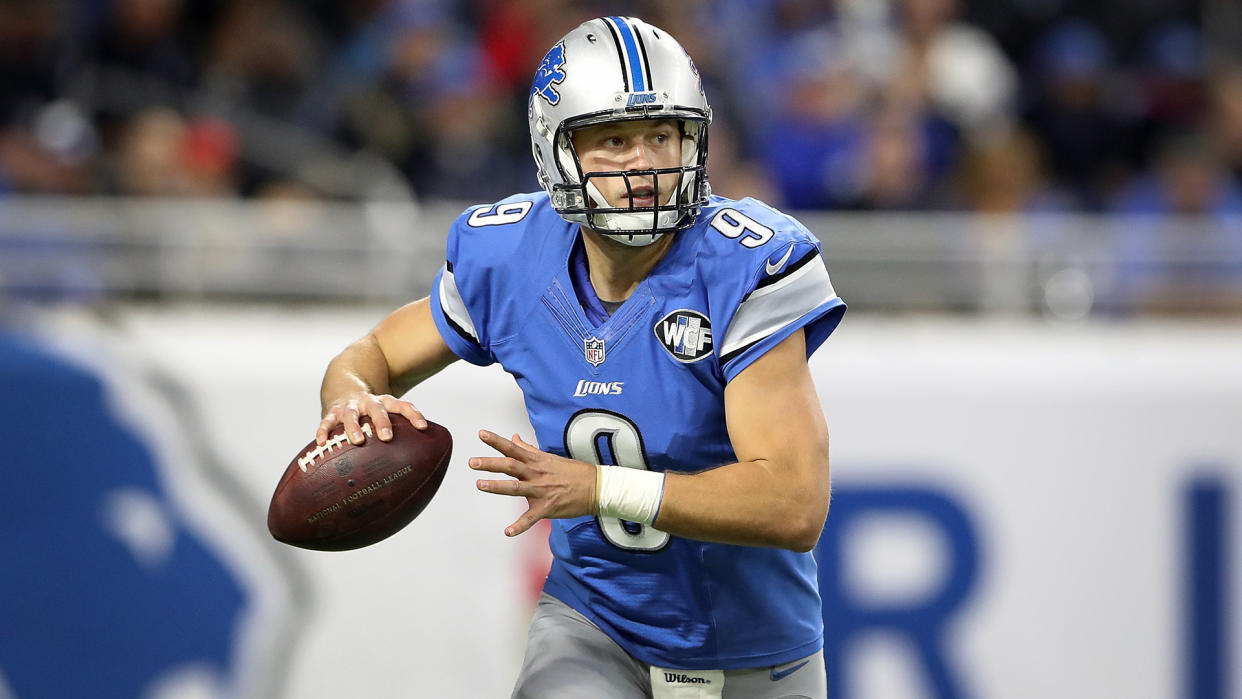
{"x":894,"y":173}
{"x":1070,"y":110}
{"x":956,"y":68}
{"x":513,"y":35}
{"x":1179,"y":247}
{"x":837,"y":142}
{"x":33,"y":56}
{"x":430,"y":107}
{"x":812,"y":145}
{"x":264,"y":57}
{"x":459,"y":158}
{"x":1225,"y":116}
{"x":730,"y":171}
{"x":137,"y":59}
{"x":1173,"y":76}
{"x":46,"y":142}
{"x":210,"y":158}
{"x":1171,"y":85}
{"x":149,"y":159}
{"x":161,"y":154}
{"x":382,"y":75}
{"x":766,"y":49}
{"x":52,"y":152}
{"x":1005,"y":174}
{"x":1188,"y":177}
{"x":142,"y":36}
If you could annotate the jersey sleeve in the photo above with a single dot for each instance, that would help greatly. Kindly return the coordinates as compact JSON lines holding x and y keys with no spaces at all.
{"x":775,"y":289}
{"x":459,"y":298}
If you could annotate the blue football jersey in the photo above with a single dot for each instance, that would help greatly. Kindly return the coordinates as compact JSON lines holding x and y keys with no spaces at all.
{"x":644,"y":388}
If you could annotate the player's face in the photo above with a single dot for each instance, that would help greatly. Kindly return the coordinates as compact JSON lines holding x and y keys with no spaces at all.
{"x":646,"y":144}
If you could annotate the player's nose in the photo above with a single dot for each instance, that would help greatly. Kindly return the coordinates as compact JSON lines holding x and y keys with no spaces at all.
{"x":638,"y":157}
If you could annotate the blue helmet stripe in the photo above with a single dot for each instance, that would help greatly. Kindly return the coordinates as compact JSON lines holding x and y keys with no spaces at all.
{"x":631,"y":52}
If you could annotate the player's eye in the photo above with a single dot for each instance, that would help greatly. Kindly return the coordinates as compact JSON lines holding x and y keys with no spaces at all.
{"x":664,"y":136}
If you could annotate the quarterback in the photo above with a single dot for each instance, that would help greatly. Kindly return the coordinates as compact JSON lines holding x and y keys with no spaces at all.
{"x":660,"y":337}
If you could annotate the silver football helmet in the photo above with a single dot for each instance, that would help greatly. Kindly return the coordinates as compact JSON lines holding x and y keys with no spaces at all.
{"x":618,"y":69}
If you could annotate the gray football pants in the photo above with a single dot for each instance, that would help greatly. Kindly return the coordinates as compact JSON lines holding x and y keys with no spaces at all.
{"x":569,"y":657}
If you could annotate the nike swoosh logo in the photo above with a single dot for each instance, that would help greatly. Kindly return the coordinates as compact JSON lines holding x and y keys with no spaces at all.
{"x":774,"y":268}
{"x":778,"y":675}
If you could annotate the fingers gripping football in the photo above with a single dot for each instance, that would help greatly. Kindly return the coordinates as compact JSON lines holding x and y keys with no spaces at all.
{"x":554,"y":487}
{"x":350,"y":411}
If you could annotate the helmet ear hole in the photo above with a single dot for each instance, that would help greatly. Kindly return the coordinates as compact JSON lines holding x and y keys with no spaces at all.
{"x":690,"y":132}
{"x":542,"y":174}
{"x":566,"y":158}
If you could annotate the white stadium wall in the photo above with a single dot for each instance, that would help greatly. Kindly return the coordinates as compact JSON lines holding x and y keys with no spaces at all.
{"x":1021,"y":509}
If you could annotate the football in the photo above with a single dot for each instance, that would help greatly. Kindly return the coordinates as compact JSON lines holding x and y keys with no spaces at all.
{"x":339,"y":496}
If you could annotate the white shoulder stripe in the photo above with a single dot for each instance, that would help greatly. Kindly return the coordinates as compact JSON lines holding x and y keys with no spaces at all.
{"x":770,"y":308}
{"x":453,"y":305}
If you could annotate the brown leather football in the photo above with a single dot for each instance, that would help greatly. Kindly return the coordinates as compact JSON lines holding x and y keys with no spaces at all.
{"x":341,"y":496}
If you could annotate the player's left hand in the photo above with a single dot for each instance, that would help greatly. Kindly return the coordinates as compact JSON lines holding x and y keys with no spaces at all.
{"x":554,"y":487}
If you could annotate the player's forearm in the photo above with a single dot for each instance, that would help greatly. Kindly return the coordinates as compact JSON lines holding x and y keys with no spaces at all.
{"x":360,"y":368}
{"x":778,"y":492}
{"x":411,"y":346}
{"x":753,"y":503}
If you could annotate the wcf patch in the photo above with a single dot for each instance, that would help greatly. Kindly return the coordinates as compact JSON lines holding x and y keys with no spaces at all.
{"x":686,"y":334}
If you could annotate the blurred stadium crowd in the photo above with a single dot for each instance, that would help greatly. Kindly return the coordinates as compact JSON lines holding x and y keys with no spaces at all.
{"x":965,"y":105}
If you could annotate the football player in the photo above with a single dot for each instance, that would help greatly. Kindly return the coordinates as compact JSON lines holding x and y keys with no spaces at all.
{"x":660,"y":336}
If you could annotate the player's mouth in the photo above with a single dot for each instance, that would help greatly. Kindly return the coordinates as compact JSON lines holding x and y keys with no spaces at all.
{"x":642,"y":196}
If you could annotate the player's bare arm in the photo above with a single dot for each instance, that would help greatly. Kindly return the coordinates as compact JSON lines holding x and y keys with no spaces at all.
{"x":368,"y":376}
{"x":778,"y":492}
{"x":776,"y":495}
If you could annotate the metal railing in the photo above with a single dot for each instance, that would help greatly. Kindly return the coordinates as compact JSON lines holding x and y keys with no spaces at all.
{"x":103,"y":249}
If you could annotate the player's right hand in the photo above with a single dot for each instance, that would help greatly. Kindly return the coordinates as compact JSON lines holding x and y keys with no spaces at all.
{"x":350,"y":410}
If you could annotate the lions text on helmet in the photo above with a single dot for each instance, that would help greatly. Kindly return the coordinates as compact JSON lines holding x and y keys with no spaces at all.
{"x":622,"y":79}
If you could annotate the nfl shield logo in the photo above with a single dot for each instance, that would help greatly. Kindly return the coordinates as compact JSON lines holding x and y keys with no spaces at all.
{"x":594,"y":351}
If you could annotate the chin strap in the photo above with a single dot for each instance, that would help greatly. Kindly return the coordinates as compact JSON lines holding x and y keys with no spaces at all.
{"x":628,"y":228}
{"x":634,"y":240}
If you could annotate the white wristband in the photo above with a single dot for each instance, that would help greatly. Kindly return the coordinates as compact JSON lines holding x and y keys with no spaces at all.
{"x":630,"y":493}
